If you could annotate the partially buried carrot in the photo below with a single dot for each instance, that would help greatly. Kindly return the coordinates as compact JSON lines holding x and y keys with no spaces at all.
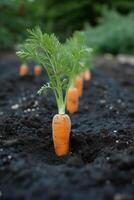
{"x":56,"y":59}
{"x":23,"y":71}
{"x":79,"y":85}
{"x":61,"y":127}
{"x":72,"y":100}
{"x":37,"y":70}
{"x":87,"y":75}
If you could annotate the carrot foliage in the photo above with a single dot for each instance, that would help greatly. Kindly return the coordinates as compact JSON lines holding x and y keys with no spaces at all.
{"x":80,"y":55}
{"x":62,"y":62}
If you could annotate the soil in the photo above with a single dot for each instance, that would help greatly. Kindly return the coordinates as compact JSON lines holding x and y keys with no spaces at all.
{"x":100,"y":165}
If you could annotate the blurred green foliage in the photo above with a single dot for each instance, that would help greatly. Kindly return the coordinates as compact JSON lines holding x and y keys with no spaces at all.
{"x":15,"y":17}
{"x":65,"y":16}
{"x":114,"y":34}
{"x":59,"y":16}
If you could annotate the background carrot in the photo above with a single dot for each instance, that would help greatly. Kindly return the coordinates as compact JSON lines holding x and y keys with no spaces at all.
{"x":23,"y":71}
{"x":79,"y":85}
{"x":61,"y":127}
{"x":37,"y":70}
{"x":87,"y":75}
{"x":72,"y":100}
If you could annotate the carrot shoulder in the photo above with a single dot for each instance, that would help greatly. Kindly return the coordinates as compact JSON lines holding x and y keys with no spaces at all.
{"x":23,"y":71}
{"x":87,"y":75}
{"x":37,"y":70}
{"x":61,"y":127}
{"x":79,"y":85}
{"x":72,"y":100}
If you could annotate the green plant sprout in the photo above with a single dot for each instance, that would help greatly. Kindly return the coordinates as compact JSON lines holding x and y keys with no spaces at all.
{"x":46,"y":50}
{"x":62,"y":63}
{"x":55,"y":58}
{"x":80,"y":55}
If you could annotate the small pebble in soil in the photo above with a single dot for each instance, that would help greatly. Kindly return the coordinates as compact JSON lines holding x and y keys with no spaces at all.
{"x":28,"y":110}
{"x":1,"y":150}
{"x":107,"y":158}
{"x":36,"y":103}
{"x":119,"y":101}
{"x":127,"y":142}
{"x":115,"y":131}
{"x":24,"y":98}
{"x":14,"y":107}
{"x":102,"y":101}
{"x":9,"y":157}
{"x":117,"y":141}
{"x":86,"y":107}
{"x":111,"y":107}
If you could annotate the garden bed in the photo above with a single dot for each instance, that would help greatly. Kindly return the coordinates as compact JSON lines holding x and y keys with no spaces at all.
{"x":101,"y":160}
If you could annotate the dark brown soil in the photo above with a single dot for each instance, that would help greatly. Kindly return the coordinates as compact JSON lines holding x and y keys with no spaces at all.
{"x":100,"y":165}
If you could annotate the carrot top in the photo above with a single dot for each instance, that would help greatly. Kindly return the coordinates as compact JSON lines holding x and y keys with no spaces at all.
{"x":62,"y":62}
{"x":80,"y":55}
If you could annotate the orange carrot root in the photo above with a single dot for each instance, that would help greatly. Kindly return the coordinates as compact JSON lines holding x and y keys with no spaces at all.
{"x":79,"y":85}
{"x":72,"y":100}
{"x":87,"y":75}
{"x":61,"y":127}
{"x":37,"y":70}
{"x":23,"y":71}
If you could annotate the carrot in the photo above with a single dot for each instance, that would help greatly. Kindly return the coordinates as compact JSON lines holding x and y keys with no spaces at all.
{"x":23,"y":71}
{"x":79,"y":85}
{"x":37,"y":70}
{"x":62,"y":63}
{"x":87,"y":75}
{"x":72,"y":100}
{"x":61,"y":126}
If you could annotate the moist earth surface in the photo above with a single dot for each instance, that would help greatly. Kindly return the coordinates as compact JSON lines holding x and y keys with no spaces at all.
{"x":100,"y":165}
